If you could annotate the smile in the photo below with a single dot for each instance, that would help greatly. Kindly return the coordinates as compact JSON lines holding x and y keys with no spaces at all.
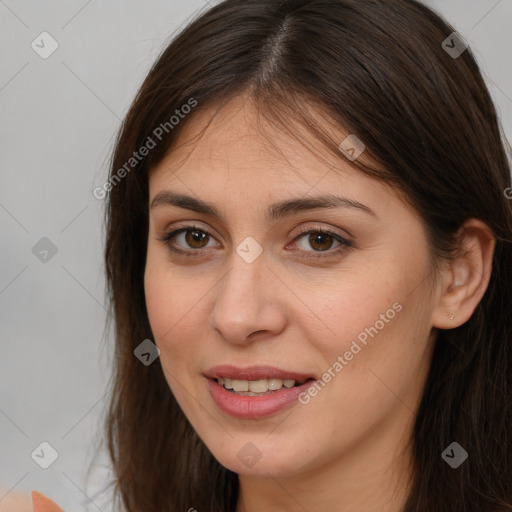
{"x":256,"y":387}
{"x":255,"y":392}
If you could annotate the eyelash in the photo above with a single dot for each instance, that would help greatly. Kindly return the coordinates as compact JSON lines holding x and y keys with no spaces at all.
{"x":345,"y":244}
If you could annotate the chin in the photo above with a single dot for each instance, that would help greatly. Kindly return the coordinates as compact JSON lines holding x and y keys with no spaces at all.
{"x":249,"y":460}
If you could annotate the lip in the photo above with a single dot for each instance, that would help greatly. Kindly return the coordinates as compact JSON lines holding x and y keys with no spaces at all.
{"x":252,"y":407}
{"x":254,"y":373}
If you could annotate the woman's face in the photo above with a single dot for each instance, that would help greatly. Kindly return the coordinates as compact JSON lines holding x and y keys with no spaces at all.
{"x":258,"y":286}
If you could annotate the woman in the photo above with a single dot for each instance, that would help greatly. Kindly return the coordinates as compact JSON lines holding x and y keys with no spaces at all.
{"x":309,"y":265}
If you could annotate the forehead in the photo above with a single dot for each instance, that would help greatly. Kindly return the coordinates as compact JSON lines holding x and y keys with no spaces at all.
{"x":236,"y":150}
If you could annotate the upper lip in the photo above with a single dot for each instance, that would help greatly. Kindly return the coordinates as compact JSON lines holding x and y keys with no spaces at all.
{"x":254,"y":373}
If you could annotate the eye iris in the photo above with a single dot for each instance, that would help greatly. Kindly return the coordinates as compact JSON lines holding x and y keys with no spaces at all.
{"x":193,"y":237}
{"x":315,"y":238}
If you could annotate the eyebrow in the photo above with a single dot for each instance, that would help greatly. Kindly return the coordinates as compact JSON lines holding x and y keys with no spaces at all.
{"x":275,"y":211}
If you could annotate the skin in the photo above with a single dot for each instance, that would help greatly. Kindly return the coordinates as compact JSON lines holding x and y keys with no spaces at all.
{"x":14,"y":501}
{"x":347,"y":449}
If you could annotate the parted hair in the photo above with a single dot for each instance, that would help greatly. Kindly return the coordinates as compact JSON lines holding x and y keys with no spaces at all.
{"x":379,"y":70}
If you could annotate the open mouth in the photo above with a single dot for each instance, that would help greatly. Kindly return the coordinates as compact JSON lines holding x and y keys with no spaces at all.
{"x":259,"y":387}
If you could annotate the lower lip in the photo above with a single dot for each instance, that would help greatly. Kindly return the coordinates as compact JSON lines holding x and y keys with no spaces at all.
{"x":251,"y":407}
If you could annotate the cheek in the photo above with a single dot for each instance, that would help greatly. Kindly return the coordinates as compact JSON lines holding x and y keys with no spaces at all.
{"x":379,"y":328}
{"x":384,"y":360}
{"x":159,"y":301}
{"x":359,"y":307}
{"x":171,"y":314}
{"x":176,"y":307}
{"x":162,"y":292}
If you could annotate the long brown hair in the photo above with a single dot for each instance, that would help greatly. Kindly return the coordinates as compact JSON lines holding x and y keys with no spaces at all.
{"x":378,"y":69}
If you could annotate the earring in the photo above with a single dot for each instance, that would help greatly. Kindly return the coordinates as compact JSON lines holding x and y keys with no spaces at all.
{"x":451,"y":315}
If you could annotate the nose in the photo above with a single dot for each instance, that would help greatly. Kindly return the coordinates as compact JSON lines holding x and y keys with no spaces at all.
{"x":247,"y":304}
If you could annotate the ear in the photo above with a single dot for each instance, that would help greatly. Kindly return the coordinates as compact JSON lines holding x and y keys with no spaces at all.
{"x":466,"y":278}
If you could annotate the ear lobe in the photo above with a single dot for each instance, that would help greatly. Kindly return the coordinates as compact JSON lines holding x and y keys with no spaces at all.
{"x":466,"y":278}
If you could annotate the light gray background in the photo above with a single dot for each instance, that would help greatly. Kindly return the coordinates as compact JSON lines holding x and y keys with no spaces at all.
{"x":58,"y":120}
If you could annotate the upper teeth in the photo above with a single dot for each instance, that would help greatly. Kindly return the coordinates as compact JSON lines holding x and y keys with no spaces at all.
{"x":256,"y":386}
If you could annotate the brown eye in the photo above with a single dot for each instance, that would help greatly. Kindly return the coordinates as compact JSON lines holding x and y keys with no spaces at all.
{"x":188,"y":240}
{"x":196,"y":239}
{"x":321,"y":241}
